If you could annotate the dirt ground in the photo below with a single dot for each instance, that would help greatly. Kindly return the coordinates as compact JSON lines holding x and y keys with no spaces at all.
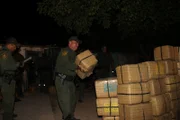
{"x":84,"y":111}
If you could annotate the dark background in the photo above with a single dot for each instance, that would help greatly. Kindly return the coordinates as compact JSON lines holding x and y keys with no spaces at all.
{"x":20,"y":19}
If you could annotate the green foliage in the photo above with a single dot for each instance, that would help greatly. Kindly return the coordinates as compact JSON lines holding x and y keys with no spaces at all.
{"x":129,"y":16}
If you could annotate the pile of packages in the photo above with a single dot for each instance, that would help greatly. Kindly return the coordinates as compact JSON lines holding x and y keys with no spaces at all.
{"x":145,"y":91}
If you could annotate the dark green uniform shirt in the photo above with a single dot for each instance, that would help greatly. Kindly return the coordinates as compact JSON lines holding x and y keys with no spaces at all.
{"x":65,"y":62}
{"x":7,"y":62}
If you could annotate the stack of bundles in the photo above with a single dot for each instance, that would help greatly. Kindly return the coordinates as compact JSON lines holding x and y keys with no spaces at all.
{"x":111,"y":118}
{"x":87,"y":62}
{"x":133,"y":92}
{"x":107,"y":101}
{"x":178,"y":67}
{"x":177,"y":53}
{"x":166,"y":52}
{"x":160,"y":101}
{"x":169,"y":82}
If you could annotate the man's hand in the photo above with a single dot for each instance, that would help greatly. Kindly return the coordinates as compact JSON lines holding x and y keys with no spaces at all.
{"x":81,"y":69}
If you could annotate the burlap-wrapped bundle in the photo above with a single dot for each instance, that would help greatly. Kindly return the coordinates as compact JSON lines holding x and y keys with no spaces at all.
{"x":161,"y":69}
{"x":107,"y":106}
{"x":169,"y":83}
{"x":178,"y":94}
{"x":134,"y":88}
{"x":154,"y":86}
{"x":164,"y":53}
{"x":173,"y":95}
{"x":135,"y":112}
{"x":133,"y":93}
{"x":167,"y":116}
{"x":86,"y":61}
{"x":133,"y":99}
{"x":178,"y":67}
{"x":177,"y":53}
{"x":178,"y":86}
{"x":132,"y":73}
{"x":174,"y":114}
{"x":83,"y":75}
{"x":174,"y":104}
{"x":106,"y":87}
{"x":111,"y":118}
{"x":160,"y":105}
{"x":170,"y":67}
{"x":152,"y":69}
{"x":174,"y":108}
{"x":171,"y":79}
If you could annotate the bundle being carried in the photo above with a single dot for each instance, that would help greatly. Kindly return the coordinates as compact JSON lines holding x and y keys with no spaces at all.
{"x":87,"y":61}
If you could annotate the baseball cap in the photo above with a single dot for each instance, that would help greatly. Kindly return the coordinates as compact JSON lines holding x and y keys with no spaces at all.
{"x":75,"y":38}
{"x":12,"y":40}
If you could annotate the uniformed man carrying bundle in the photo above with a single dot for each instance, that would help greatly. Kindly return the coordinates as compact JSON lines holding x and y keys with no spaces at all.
{"x":8,"y":66}
{"x":65,"y":74}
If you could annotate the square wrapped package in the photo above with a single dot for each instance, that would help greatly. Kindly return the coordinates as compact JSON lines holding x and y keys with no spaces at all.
{"x":166,"y":52}
{"x":111,"y":118}
{"x":106,"y":87}
{"x":86,"y":60}
{"x":107,"y":106}
{"x":83,"y":75}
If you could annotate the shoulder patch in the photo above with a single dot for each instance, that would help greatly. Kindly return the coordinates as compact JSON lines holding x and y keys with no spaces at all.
{"x":64,"y":52}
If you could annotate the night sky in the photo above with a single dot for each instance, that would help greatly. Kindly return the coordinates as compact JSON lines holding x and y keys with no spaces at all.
{"x":19,"y":18}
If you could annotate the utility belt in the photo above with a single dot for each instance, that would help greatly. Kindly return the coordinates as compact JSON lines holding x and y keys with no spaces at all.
{"x":65,"y":77}
{"x":8,"y":76}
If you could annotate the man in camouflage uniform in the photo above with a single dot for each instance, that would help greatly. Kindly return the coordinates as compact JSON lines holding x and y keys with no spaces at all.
{"x":65,"y":74}
{"x":7,"y":72}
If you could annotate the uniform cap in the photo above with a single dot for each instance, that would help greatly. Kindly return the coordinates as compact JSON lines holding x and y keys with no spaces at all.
{"x":12,"y":40}
{"x":75,"y":38}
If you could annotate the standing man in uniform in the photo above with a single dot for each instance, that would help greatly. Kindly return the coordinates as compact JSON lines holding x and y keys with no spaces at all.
{"x":7,"y":72}
{"x":65,"y":75}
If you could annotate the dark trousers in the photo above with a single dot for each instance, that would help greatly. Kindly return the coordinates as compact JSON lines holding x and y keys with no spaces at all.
{"x":8,"y":93}
{"x":66,"y":93}
{"x":19,"y":87}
